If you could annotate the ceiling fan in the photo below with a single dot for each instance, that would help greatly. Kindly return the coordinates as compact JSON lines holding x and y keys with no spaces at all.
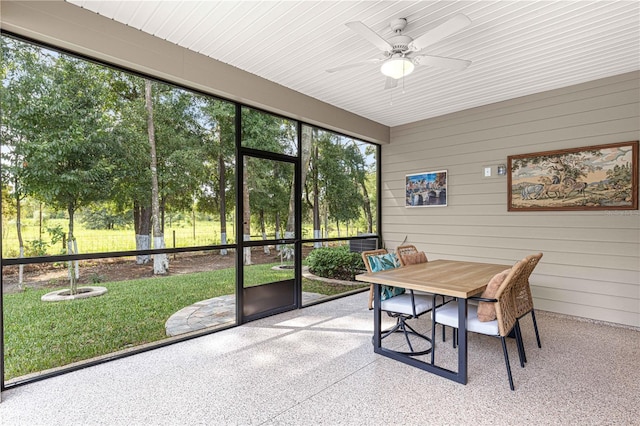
{"x":401,"y":53}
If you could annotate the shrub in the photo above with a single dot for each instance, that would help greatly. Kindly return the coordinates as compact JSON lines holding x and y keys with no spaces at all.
{"x":96,"y":278}
{"x":36,"y":248}
{"x":337,"y":263}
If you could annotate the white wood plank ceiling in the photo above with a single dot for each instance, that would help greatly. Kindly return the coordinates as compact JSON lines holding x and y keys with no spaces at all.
{"x":516,"y":47}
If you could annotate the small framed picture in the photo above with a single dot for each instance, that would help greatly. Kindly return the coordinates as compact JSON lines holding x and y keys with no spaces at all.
{"x":428,"y":189}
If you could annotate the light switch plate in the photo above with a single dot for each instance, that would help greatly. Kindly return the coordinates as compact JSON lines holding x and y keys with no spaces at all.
{"x":487,"y":171}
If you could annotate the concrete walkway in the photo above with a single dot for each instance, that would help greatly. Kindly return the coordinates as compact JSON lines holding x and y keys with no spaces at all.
{"x":221,"y":310}
{"x":213,"y":312}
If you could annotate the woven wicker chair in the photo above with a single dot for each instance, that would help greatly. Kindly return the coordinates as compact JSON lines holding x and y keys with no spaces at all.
{"x":409,"y":254}
{"x":402,"y":307}
{"x":524,"y":299}
{"x":506,"y":315}
{"x":365,"y":259}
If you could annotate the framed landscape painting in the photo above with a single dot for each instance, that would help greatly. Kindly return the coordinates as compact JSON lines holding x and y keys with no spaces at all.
{"x":603,"y":177}
{"x":428,"y":189}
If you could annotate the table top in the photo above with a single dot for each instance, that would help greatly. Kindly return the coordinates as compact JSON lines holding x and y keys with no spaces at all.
{"x":447,"y":277}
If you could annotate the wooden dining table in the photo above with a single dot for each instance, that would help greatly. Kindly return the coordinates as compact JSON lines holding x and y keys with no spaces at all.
{"x":459,"y":279}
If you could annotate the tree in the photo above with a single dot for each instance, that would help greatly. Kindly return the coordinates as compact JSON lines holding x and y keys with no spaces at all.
{"x":339,"y":183}
{"x":335,"y":174}
{"x":69,"y":158}
{"x":268,"y":133}
{"x":620,"y":178}
{"x":568,"y":165}
{"x":218,"y":188}
{"x":358,"y":171}
{"x":305,"y":155}
{"x":181,"y":150}
{"x":160,"y":260}
{"x":105,"y":216}
{"x":22,"y":65}
{"x":132,"y":188}
{"x":315,"y":174}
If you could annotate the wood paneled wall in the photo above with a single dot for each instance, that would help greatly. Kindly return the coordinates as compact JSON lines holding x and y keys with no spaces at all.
{"x":591,"y":262}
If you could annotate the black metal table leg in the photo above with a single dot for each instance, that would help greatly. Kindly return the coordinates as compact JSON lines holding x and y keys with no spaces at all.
{"x":462,"y":340}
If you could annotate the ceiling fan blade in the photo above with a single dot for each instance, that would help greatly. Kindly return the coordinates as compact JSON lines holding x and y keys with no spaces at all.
{"x":444,"y":30}
{"x":390,"y":83}
{"x":370,"y":35}
{"x":439,"y":61}
{"x":353,"y":65}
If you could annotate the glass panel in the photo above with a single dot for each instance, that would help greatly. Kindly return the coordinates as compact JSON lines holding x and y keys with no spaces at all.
{"x":77,"y":159}
{"x":328,"y":270}
{"x":268,"y":132}
{"x":268,"y":267}
{"x":79,"y":181}
{"x":135,"y":310}
{"x":268,"y":270}
{"x":339,"y":185}
{"x":268,"y":188}
{"x":269,"y":280}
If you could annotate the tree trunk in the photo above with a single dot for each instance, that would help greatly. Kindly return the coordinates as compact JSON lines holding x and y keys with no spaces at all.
{"x":326,"y":226}
{"x":367,"y":208}
{"x":76,"y":263}
{"x":306,"y":157}
{"x":160,"y":261}
{"x":74,"y":272}
{"x":193,"y":221}
{"x":316,"y":201}
{"x":223,"y":203}
{"x":263,"y":230}
{"x":163,"y":203}
{"x":277,"y":230}
{"x":246,"y":215}
{"x":19,"y":233}
{"x":142,"y":225}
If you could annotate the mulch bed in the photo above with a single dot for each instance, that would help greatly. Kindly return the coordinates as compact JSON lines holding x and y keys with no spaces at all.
{"x":120,"y":269}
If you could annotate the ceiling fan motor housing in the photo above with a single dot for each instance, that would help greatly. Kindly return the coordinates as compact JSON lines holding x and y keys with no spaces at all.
{"x":400,"y":43}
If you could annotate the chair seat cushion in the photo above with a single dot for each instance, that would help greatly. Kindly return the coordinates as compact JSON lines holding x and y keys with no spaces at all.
{"x":402,"y":304}
{"x":448,"y":315}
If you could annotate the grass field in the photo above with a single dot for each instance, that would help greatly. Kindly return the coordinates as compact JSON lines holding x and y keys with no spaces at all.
{"x":177,"y":234}
{"x":43,"y":335}
{"x":180,"y":234}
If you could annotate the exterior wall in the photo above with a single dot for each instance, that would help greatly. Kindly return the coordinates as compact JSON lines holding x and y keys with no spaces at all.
{"x":67,"y":26}
{"x":591,"y":262}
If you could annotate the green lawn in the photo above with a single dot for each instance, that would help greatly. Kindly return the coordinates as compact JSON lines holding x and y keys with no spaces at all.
{"x":42,"y":335}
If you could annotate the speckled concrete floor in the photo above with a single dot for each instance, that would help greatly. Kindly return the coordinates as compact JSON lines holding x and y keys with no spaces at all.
{"x":316,"y":366}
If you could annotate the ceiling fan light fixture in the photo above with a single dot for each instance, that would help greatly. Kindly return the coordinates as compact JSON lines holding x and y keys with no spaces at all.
{"x":397,"y":67}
